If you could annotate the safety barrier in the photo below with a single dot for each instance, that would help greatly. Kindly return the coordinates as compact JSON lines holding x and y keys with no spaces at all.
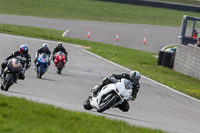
{"x":187,"y":60}
{"x":166,"y":59}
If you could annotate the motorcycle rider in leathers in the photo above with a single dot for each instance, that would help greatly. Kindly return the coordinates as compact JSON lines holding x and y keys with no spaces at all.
{"x":22,"y":55}
{"x":58,"y":48}
{"x":134,"y":77}
{"x":43,"y":49}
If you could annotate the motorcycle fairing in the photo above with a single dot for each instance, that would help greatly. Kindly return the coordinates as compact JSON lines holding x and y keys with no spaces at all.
{"x":122,"y":89}
{"x":43,"y":58}
{"x":14,"y":65}
{"x":60,"y":57}
{"x":124,"y":93}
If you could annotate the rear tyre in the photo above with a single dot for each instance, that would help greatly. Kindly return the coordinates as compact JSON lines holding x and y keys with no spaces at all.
{"x":87,"y":105}
{"x":9,"y":81}
{"x":107,"y":103}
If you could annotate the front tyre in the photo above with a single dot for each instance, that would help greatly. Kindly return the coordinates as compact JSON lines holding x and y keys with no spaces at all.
{"x":87,"y":105}
{"x":9,"y":81}
{"x":39,"y":75}
{"x":59,"y":68}
{"x":2,"y":88}
{"x":107,"y":103}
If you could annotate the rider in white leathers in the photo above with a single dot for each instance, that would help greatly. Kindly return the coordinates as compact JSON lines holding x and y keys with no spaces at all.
{"x":134,"y":77}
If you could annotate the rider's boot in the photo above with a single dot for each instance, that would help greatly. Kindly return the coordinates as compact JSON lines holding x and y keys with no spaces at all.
{"x":96,"y":89}
{"x":35,"y":67}
{"x":35,"y":64}
{"x":46,"y":68}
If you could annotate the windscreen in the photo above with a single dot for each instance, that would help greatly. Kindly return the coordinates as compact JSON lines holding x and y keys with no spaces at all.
{"x":60,"y":53}
{"x":43,"y":57}
{"x":127,"y":84}
{"x":16,"y":63}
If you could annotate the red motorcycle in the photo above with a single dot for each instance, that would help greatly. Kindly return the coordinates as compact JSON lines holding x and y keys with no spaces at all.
{"x":60,"y":61}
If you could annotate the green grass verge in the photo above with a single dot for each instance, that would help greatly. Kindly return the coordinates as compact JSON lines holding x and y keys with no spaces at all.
{"x":144,"y":62}
{"x":95,"y":11}
{"x":18,"y":115}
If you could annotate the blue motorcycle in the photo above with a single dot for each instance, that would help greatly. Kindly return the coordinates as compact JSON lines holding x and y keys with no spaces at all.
{"x":42,"y":64}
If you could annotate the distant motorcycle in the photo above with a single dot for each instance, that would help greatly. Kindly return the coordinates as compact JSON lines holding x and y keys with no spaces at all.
{"x":60,"y":61}
{"x":10,"y":74}
{"x":111,"y":95}
{"x":42,"y":64}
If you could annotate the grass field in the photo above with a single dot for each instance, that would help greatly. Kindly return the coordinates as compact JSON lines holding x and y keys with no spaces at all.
{"x":94,"y":11}
{"x":18,"y":115}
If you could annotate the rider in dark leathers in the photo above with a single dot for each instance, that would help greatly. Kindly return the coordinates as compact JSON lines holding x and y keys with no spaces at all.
{"x":134,"y":77}
{"x":58,"y":48}
{"x":21,"y":55}
{"x":43,"y":49}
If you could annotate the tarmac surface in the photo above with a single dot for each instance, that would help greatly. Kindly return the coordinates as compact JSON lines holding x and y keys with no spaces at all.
{"x":157,"y":106}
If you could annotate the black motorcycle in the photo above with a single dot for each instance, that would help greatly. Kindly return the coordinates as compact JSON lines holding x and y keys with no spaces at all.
{"x":11,"y":73}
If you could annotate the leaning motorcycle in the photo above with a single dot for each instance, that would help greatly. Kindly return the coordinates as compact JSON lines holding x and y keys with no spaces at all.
{"x":111,"y":95}
{"x":42,"y":64}
{"x":60,"y":61}
{"x":11,"y":73}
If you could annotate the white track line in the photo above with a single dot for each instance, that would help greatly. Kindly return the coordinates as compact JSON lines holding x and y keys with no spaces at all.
{"x":144,"y":76}
{"x":63,"y":35}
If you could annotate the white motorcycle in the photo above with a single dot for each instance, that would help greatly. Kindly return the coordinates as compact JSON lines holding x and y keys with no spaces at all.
{"x":111,"y":95}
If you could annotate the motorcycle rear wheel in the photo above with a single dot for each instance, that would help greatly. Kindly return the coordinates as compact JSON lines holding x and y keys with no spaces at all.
{"x":104,"y":105}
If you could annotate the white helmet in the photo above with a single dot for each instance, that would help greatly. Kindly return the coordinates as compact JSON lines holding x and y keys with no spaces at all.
{"x":45,"y":46}
{"x":135,"y":76}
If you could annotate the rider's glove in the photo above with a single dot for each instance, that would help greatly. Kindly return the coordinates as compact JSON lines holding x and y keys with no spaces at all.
{"x":132,"y":98}
{"x":94,"y":91}
{"x":4,"y":63}
{"x":112,"y":79}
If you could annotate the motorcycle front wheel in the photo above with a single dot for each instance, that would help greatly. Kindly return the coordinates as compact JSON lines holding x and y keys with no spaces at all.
{"x":9,"y":81}
{"x":87,"y":105}
{"x":59,"y":68}
{"x":39,"y":75}
{"x":107,"y":103}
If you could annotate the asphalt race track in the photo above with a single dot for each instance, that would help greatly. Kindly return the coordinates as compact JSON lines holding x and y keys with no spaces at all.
{"x":130,"y":35}
{"x":156,"y":106}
